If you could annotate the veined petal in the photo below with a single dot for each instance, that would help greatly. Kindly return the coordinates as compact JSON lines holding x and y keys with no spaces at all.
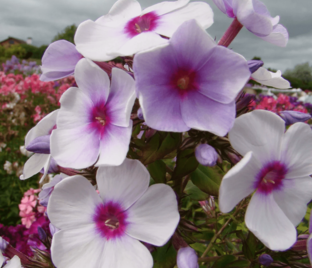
{"x":238,"y":183}
{"x":124,"y":184}
{"x":121,"y":98}
{"x":75,"y":110}
{"x":43,"y":128}
{"x":94,"y":40}
{"x":221,"y":5}
{"x":59,"y":60}
{"x":92,"y":80}
{"x":296,"y":150}
{"x":259,"y":131}
{"x":169,"y":23}
{"x":293,"y":198}
{"x":265,"y":77}
{"x":154,"y":217}
{"x":72,"y":204}
{"x":200,"y":112}
{"x":166,"y":7}
{"x":75,"y":147}
{"x":34,"y":164}
{"x":114,"y":145}
{"x":269,"y":223}
{"x":77,"y":248}
{"x":125,"y":252}
{"x":279,"y":36}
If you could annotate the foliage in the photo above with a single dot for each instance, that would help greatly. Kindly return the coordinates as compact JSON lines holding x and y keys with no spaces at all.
{"x":67,"y":34}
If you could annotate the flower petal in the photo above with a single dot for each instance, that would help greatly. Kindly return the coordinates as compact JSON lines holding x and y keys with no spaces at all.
{"x":114,"y":145}
{"x":296,"y":150}
{"x":309,"y":247}
{"x":279,"y":36}
{"x":77,"y":248}
{"x":259,"y":131}
{"x":34,"y":164}
{"x":154,"y":217}
{"x":124,"y":184}
{"x":166,"y":7}
{"x":200,"y":112}
{"x":59,"y":60}
{"x":92,"y":80}
{"x":169,"y":23}
{"x":72,"y":203}
{"x":265,"y":77}
{"x":293,"y":198}
{"x":15,"y":262}
{"x":76,"y":147}
{"x":238,"y":182}
{"x":43,"y":128}
{"x":269,"y":223}
{"x":121,"y":98}
{"x":187,"y":258}
{"x":125,"y":252}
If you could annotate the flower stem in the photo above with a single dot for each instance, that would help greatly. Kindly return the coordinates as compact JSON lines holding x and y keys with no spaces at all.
{"x":230,"y":33}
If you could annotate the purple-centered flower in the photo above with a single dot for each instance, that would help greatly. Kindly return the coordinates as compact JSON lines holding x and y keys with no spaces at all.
{"x":94,"y":119}
{"x":126,"y":29}
{"x":206,"y":155}
{"x":179,"y":89}
{"x":187,"y":258}
{"x":103,"y":230}
{"x":291,"y":117}
{"x":59,"y":60}
{"x":37,"y":141}
{"x":254,"y":15}
{"x":276,"y":166}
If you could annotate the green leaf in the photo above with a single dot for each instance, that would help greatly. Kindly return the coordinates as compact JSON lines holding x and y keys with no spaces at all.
{"x":186,"y":163}
{"x":164,"y":257}
{"x":224,"y":261}
{"x":157,"y":170}
{"x":194,"y":192}
{"x":237,"y":264}
{"x":207,"y":179}
{"x":249,"y":246}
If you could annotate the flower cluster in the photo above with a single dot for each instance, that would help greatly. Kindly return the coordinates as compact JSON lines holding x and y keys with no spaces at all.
{"x":16,"y":67}
{"x":141,"y":141}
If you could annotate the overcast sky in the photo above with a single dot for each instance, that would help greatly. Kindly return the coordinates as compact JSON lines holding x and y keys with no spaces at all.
{"x":43,"y":19}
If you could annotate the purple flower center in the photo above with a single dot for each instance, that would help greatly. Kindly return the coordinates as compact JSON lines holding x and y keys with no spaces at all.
{"x":99,"y":118}
{"x":270,"y":177}
{"x":184,"y":81}
{"x":144,"y":23}
{"x":110,"y":220}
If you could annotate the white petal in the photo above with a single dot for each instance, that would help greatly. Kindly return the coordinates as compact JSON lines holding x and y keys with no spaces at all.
{"x":170,"y":22}
{"x":293,"y":198}
{"x":46,"y":169}
{"x":77,"y":248}
{"x":140,"y":42}
{"x":1,"y":259}
{"x":124,"y":184}
{"x":92,"y":80}
{"x":42,"y":128}
{"x":125,"y":252}
{"x":15,"y":262}
{"x":265,"y":77}
{"x":121,"y":11}
{"x":269,"y":223}
{"x":165,"y":7}
{"x":114,"y":145}
{"x":279,"y":36}
{"x":238,"y":183}
{"x":34,"y":164}
{"x":75,"y":147}
{"x":259,"y":131}
{"x":94,"y":40}
{"x":154,"y":217}
{"x":296,"y":150}
{"x":75,"y":109}
{"x":72,"y":203}
{"x":121,"y":98}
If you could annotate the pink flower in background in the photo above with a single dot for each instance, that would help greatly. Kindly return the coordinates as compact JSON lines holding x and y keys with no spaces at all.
{"x":28,"y":203}
{"x":27,"y":218}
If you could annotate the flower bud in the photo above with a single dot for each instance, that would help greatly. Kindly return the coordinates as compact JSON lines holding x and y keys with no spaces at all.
{"x":40,"y":145}
{"x":254,"y":65}
{"x":3,"y":244}
{"x":206,"y":155}
{"x":42,"y":234}
{"x":291,"y":117}
{"x":187,"y":258}
{"x":140,"y":114}
{"x":265,"y":259}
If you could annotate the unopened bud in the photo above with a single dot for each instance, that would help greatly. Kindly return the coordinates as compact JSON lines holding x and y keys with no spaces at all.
{"x":254,"y":65}
{"x":40,"y":145}
{"x":265,"y":259}
{"x":206,"y":155}
{"x":187,"y":258}
{"x":3,"y":244}
{"x":42,"y":234}
{"x":291,"y":117}
{"x":140,"y":114}
{"x":208,"y":205}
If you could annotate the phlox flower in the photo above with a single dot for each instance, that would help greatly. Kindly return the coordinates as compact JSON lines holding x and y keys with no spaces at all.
{"x":59,"y":60}
{"x":126,"y":29}
{"x":276,"y":167}
{"x":27,"y":218}
{"x":102,"y":230}
{"x":187,"y":258}
{"x":37,"y":141}
{"x":179,"y":89}
{"x":254,"y":15}
{"x":27,"y":203}
{"x":47,"y":189}
{"x":15,"y":262}
{"x":267,"y":78}
{"x":94,"y":119}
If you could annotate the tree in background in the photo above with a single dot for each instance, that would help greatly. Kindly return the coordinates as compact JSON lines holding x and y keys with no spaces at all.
{"x":67,"y":34}
{"x":300,"y":76}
